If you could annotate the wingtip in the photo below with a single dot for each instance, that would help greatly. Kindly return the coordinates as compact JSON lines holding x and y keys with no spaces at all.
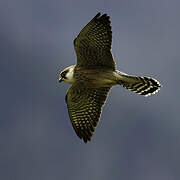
{"x":87,"y":140}
{"x":99,"y":14}
{"x":103,"y":17}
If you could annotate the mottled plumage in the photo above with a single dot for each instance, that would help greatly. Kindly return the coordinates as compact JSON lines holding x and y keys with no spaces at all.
{"x":84,"y":106}
{"x":93,"y":44}
{"x":94,"y":75}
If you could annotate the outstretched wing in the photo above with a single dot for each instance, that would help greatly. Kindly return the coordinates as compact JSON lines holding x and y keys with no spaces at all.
{"x":93,"y":44}
{"x":84,"y":107}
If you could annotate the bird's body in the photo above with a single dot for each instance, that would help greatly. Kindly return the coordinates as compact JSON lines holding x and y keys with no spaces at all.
{"x":92,"y":78}
{"x":94,"y":75}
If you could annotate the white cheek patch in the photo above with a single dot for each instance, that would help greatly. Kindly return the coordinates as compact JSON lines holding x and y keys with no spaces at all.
{"x":70,"y":76}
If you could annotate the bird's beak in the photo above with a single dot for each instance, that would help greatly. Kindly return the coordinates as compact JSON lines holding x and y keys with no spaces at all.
{"x":60,"y":80}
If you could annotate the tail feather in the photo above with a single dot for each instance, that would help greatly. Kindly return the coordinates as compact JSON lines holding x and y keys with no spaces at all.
{"x":140,"y":85}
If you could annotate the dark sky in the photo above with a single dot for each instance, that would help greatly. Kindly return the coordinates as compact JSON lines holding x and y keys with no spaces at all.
{"x":137,"y":138}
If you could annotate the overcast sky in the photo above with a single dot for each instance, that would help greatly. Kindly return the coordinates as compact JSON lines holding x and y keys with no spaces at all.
{"x":137,"y":138}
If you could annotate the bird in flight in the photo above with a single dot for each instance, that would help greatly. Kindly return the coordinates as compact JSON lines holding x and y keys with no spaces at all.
{"x":94,"y":75}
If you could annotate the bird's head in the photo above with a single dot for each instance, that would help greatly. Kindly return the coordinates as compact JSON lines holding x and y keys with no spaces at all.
{"x":67,"y":75}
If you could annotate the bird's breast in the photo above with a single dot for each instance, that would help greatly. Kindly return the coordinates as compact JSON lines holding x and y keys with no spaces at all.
{"x":96,"y":78}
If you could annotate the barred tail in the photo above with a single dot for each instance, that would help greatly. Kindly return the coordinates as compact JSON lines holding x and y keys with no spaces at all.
{"x":140,"y":85}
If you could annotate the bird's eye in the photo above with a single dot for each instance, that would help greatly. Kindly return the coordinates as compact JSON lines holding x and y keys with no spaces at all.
{"x":63,"y":74}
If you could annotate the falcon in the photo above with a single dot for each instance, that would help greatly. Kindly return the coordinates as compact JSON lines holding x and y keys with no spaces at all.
{"x":94,"y":75}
